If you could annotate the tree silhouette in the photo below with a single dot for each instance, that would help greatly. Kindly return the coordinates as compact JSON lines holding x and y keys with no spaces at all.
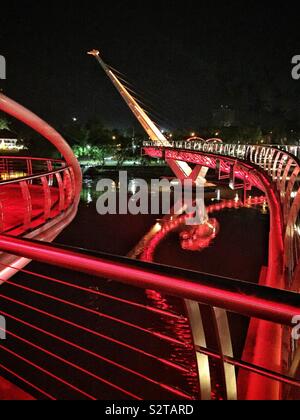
{"x":4,"y":124}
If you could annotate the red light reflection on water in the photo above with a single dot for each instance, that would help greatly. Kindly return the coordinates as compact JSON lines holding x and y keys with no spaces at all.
{"x":192,"y":239}
{"x":195,"y":238}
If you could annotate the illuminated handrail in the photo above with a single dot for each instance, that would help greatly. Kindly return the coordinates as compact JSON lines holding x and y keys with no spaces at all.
{"x":19,"y":112}
{"x":31,"y":158}
{"x":58,"y":193}
{"x":255,"y":301}
{"x":12,"y":167}
{"x":195,"y":144}
{"x":193,"y":288}
{"x":69,"y":182}
{"x":32,"y":177}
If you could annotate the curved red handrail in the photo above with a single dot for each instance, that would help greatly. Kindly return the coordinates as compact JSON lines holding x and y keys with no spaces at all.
{"x":19,"y":112}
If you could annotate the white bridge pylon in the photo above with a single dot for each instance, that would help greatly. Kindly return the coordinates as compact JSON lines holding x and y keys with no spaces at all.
{"x":182,"y":170}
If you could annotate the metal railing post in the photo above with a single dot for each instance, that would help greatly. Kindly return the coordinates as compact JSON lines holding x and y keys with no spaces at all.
{"x":28,"y":204}
{"x":199,"y":339}
{"x":47,"y":197}
{"x":61,"y":191}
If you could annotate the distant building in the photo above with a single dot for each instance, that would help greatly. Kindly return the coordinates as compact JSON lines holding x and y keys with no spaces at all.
{"x":223,"y":117}
{"x":8,"y":142}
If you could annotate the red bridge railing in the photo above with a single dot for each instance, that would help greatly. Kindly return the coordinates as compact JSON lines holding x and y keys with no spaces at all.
{"x":12,"y":167}
{"x":64,"y":346}
{"x":38,"y":197}
{"x":17,"y":111}
{"x":59,"y":324}
{"x":45,"y":189}
{"x":281,"y":165}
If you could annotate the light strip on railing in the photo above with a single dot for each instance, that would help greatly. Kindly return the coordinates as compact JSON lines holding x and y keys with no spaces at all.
{"x":33,"y":177}
{"x":98,"y":356}
{"x":254,"y":306}
{"x":26,"y":382}
{"x":71,"y":364}
{"x":95,"y":333}
{"x":46,"y":372}
{"x":99,"y":314}
{"x":251,"y":368}
{"x":97,"y":293}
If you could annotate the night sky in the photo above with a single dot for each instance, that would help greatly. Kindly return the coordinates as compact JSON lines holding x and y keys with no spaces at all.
{"x":186,"y":58}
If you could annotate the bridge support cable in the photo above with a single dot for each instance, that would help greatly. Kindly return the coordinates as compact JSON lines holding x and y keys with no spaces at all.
{"x":180,"y":168}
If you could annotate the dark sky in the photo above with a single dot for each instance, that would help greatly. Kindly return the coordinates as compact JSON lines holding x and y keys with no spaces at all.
{"x":185,"y":57}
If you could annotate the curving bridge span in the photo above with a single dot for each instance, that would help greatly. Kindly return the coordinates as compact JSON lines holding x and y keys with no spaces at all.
{"x":273,"y":170}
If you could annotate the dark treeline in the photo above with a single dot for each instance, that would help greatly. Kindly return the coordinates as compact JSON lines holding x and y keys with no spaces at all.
{"x":93,"y":140}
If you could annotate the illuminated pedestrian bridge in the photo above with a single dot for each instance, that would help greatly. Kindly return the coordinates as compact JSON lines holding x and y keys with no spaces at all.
{"x":84,"y":325}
